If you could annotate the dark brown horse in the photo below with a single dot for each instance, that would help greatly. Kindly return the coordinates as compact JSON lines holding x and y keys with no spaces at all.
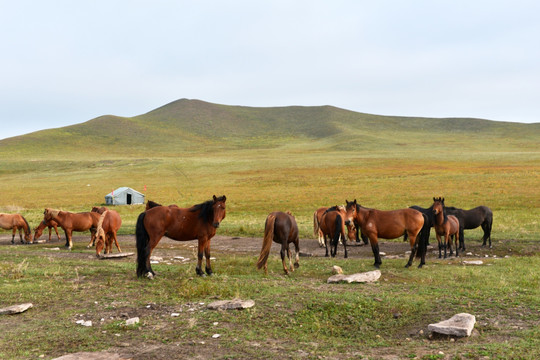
{"x":70,"y":222}
{"x":280,"y":228}
{"x":16,"y":222}
{"x":333,"y":227}
{"x":445,"y":225}
{"x":471,"y":219}
{"x":197,"y":222}
{"x":46,"y":224}
{"x":108,"y":225}
{"x":377,"y":224}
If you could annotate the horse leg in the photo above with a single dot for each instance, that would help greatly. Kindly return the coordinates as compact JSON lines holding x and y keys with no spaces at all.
{"x":69,"y":242}
{"x":56,"y":230}
{"x":375,"y":247}
{"x":208,"y":267}
{"x":200,"y":251}
{"x":50,"y":233}
{"x":446,"y":239}
{"x":461,"y":238}
{"x":115,"y":242}
{"x":13,"y":235}
{"x":290,"y":258}
{"x":456,"y":241}
{"x":326,"y":245}
{"x":414,"y":248}
{"x":450,"y":237}
{"x":439,"y":243}
{"x":92,"y":238}
{"x":345,"y":246}
{"x":282,"y":253}
{"x":297,"y":256}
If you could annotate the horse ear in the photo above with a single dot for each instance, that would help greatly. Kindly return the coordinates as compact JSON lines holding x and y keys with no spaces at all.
{"x":215,"y":198}
{"x":355,"y":201}
{"x":443,"y":200}
{"x":224,"y":198}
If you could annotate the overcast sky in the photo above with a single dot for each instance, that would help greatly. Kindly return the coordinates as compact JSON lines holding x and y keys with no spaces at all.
{"x":66,"y":62}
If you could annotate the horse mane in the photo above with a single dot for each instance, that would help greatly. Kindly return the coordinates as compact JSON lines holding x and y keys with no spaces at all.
{"x":28,"y":230}
{"x":52,"y":212}
{"x":151,"y":204}
{"x":334,"y":208}
{"x":100,"y":231}
{"x":206,"y":209}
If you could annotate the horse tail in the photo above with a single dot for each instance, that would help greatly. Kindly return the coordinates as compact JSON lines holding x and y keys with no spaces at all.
{"x":315,"y":225}
{"x":338,"y":230}
{"x":423,"y":237}
{"x":143,"y":245}
{"x":267,"y":241}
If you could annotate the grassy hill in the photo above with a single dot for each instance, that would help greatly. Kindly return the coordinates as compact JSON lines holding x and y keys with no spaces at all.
{"x":193,"y":125}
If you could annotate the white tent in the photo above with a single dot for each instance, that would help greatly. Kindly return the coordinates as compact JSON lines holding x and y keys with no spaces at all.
{"x":124,"y":196}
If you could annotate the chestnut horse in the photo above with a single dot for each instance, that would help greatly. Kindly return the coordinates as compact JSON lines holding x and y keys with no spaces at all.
{"x":16,"y":222}
{"x":333,"y":226}
{"x":280,"y":228}
{"x":388,"y":225}
{"x":317,"y":215}
{"x":70,"y":222}
{"x":100,"y":210}
{"x":445,"y":225}
{"x":197,"y":222}
{"x":108,"y":225}
{"x":46,"y":224}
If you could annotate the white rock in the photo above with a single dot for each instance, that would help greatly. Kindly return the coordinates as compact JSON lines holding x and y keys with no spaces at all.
{"x":458,"y":325}
{"x":236,"y":304}
{"x":382,"y":253}
{"x":473,"y":262}
{"x":15,"y":309}
{"x":175,"y":314}
{"x":370,"y":276}
{"x":132,"y":321}
{"x":215,"y":336}
{"x":337,"y":270}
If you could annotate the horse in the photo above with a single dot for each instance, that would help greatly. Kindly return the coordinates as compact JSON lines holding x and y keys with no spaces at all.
{"x":70,"y":222}
{"x":197,"y":222}
{"x":317,"y":215}
{"x":280,"y":228}
{"x":388,"y":225}
{"x":333,"y":226}
{"x":46,"y":224}
{"x":471,"y":219}
{"x":428,"y":222}
{"x":445,"y":225}
{"x":16,"y":222}
{"x":108,"y":225}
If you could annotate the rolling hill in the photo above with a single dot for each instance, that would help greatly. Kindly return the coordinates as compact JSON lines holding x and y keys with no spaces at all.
{"x":193,"y":125}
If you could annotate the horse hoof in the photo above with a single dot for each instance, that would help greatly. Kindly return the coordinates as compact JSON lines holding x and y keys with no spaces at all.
{"x":420,"y":266}
{"x":407,"y":265}
{"x":296,"y":265}
{"x":150,"y":276}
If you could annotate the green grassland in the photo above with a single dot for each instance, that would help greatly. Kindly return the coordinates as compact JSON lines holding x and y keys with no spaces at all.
{"x":267,"y":159}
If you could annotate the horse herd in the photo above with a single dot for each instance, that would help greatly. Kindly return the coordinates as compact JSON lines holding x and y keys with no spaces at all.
{"x":331,"y":224}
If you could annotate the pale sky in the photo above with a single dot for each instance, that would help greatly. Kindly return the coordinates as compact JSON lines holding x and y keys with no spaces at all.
{"x":66,"y":62}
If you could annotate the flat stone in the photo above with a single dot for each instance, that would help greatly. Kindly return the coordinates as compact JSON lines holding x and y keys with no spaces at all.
{"x":458,"y":325}
{"x":366,"y":277}
{"x":115,"y":256}
{"x":473,"y":262}
{"x":16,"y":309}
{"x":132,"y":321}
{"x":236,"y":304}
{"x":91,"y":356}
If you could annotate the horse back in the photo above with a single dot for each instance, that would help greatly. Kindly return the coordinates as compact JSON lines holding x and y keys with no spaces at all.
{"x":285,"y":227}
{"x":475,"y":217}
{"x":112,"y":221}
{"x":391,"y":224}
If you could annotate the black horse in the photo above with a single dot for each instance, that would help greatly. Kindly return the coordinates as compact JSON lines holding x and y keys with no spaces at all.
{"x":429,"y":222}
{"x":471,"y":219}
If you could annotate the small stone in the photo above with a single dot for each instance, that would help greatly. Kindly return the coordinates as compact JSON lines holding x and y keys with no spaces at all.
{"x":473,"y":262}
{"x":469,"y":254}
{"x":382,"y":253}
{"x":132,"y":321}
{"x":215,"y":336}
{"x":175,"y":314}
{"x":366,"y":277}
{"x":337,"y":270}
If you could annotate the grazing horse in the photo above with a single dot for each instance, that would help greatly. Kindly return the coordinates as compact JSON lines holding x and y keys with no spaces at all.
{"x":333,"y":228}
{"x":108,"y":225}
{"x":197,"y":222}
{"x":16,"y":222}
{"x":388,"y":225}
{"x":471,"y":219}
{"x":100,"y":210}
{"x":445,"y":225}
{"x":46,"y":224}
{"x":70,"y":222}
{"x":280,"y":228}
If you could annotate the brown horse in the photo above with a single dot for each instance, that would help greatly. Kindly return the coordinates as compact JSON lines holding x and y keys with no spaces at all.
{"x":16,"y":222}
{"x":151,"y":204}
{"x":317,"y":216}
{"x":333,"y":226}
{"x":387,"y":225}
{"x":280,"y":228}
{"x":108,"y":225}
{"x":197,"y":222}
{"x":445,"y":225}
{"x":46,"y":224}
{"x":70,"y":222}
{"x":100,"y":210}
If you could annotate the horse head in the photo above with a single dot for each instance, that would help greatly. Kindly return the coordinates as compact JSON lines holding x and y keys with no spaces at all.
{"x":219,"y":210}
{"x":350,"y":209}
{"x":100,"y":241}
